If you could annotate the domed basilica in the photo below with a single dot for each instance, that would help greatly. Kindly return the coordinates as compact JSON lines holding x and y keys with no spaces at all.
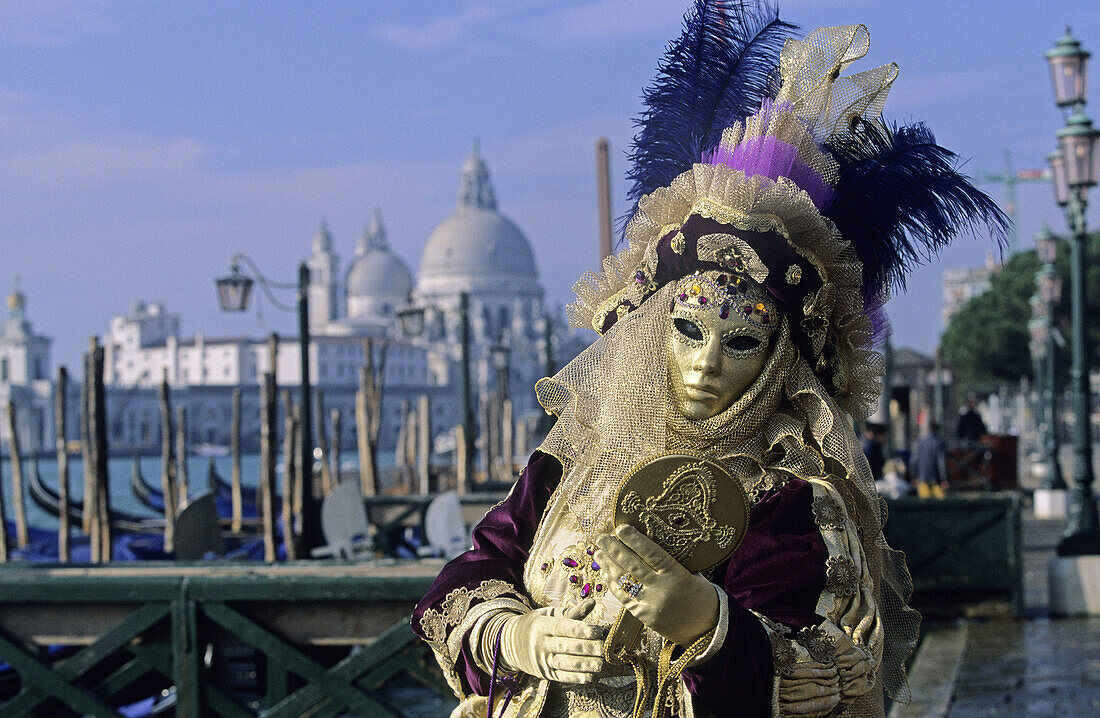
{"x":478,"y":253}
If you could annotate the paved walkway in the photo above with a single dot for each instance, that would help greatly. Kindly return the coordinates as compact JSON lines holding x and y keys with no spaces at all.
{"x":1036,"y":667}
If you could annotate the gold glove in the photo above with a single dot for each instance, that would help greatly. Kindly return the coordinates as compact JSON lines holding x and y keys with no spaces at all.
{"x":662,"y":594}
{"x":550,"y":643}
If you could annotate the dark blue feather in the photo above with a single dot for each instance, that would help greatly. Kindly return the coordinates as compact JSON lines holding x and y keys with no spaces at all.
{"x":901,"y":198}
{"x":715,"y":74}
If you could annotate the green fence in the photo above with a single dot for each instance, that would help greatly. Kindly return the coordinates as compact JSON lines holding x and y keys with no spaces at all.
{"x":963,"y":553}
{"x":306,"y":639}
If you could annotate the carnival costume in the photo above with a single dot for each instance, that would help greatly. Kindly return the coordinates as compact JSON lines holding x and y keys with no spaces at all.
{"x":770,"y":196}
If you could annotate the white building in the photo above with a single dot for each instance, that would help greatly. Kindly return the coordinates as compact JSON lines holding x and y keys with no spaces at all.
{"x":477,"y":251}
{"x":25,"y":379}
{"x":962,"y":285}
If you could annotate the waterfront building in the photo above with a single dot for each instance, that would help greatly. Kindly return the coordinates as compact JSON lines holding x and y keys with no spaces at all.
{"x":477,"y":251}
{"x":25,"y":379}
{"x":960,"y":285}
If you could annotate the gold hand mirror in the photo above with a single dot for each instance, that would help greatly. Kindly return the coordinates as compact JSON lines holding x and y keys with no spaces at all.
{"x":690,"y":506}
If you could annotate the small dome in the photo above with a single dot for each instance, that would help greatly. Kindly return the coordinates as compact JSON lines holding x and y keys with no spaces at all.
{"x":378,"y":281}
{"x":379,"y":272}
{"x":477,"y":240}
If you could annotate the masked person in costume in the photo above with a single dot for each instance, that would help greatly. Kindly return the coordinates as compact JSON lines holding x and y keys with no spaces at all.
{"x":774,"y":209}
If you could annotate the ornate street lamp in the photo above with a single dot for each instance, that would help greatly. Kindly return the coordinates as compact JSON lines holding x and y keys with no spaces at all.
{"x":1077,"y":171}
{"x":410,"y":319}
{"x":500,"y":355}
{"x":1068,"y":71}
{"x":235,"y":290}
{"x":233,"y":295}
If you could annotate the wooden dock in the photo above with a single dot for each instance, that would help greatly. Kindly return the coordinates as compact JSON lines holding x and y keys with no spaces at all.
{"x":156,"y":624}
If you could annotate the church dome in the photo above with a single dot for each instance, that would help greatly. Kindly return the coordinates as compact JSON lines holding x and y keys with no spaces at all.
{"x":477,"y":241}
{"x":378,"y":281}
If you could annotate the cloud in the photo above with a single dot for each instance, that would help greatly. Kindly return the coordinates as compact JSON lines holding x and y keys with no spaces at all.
{"x":606,"y":19}
{"x":446,"y":31}
{"x":542,"y":21}
{"x":57,"y":22}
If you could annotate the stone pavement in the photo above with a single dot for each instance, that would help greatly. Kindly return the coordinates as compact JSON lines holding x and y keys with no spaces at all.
{"x":1035,"y":667}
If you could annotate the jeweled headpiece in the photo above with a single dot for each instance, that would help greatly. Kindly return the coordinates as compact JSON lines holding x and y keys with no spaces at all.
{"x":768,"y":165}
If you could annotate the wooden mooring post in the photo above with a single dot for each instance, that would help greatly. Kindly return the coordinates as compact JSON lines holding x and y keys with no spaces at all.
{"x":462,"y":481}
{"x":4,"y":552}
{"x":60,"y":431}
{"x":97,"y":405}
{"x":290,"y":465}
{"x":86,"y":448}
{"x":327,"y":483}
{"x":267,"y":464}
{"x":368,"y":415}
{"x":367,"y":481}
{"x":424,"y":443}
{"x":335,"y":445}
{"x":15,"y":454}
{"x":168,"y":464}
{"x":235,"y":471}
{"x":183,"y":477}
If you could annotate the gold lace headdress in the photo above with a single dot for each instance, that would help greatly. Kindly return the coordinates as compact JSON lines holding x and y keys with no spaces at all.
{"x":800,"y":189}
{"x":752,"y":208}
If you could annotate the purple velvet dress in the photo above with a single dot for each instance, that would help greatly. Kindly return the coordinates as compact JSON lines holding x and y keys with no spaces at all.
{"x":775,"y":583}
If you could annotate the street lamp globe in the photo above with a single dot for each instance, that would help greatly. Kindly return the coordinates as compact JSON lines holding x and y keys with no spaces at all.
{"x":1079,"y":141}
{"x":1050,"y":285}
{"x":1068,"y":70}
{"x":234,"y":290}
{"x":1046,"y":246}
{"x":411,"y":320}
{"x":1039,"y":308}
{"x":1058,"y":178}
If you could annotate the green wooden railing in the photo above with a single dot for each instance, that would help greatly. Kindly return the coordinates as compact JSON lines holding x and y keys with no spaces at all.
{"x":316,"y":639}
{"x":962,"y":551}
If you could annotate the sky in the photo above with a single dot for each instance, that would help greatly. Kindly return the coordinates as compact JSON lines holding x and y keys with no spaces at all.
{"x":143,"y":143}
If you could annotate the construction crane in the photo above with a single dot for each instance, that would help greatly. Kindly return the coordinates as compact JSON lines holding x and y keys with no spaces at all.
{"x":1010,"y":179}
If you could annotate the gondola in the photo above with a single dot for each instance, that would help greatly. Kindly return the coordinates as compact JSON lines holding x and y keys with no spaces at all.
{"x":153,"y":497}
{"x":47,"y":499}
{"x":250,"y":496}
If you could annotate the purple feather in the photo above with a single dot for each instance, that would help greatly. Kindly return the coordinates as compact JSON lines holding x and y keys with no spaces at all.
{"x":716,"y":73}
{"x":900,"y":198}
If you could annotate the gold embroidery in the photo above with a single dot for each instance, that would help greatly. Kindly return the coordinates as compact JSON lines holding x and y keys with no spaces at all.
{"x":677,"y":243}
{"x":435,"y":624}
{"x":794,"y":274}
{"x":679,"y":517}
{"x":817,"y":643}
{"x":828,"y":514}
{"x":583,"y":575}
{"x":762,"y":223}
{"x":842,"y":578}
{"x":783,"y":654}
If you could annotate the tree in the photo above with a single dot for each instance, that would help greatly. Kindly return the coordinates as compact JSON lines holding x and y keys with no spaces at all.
{"x":987,"y":339}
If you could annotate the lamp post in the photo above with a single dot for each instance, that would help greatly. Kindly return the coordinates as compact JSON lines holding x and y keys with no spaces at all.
{"x":1037,"y":329}
{"x":233,"y":295}
{"x":1050,"y":293}
{"x":1075,"y":168}
{"x":500,"y":354}
{"x":411,"y":319}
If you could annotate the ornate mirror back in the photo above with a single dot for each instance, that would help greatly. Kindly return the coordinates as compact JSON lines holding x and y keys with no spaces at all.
{"x":688,"y":505}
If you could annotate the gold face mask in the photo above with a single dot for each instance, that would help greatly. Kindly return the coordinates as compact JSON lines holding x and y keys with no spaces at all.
{"x":719,"y":333}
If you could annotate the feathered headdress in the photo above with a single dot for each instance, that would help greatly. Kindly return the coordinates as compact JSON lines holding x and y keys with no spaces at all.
{"x":756,"y":156}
